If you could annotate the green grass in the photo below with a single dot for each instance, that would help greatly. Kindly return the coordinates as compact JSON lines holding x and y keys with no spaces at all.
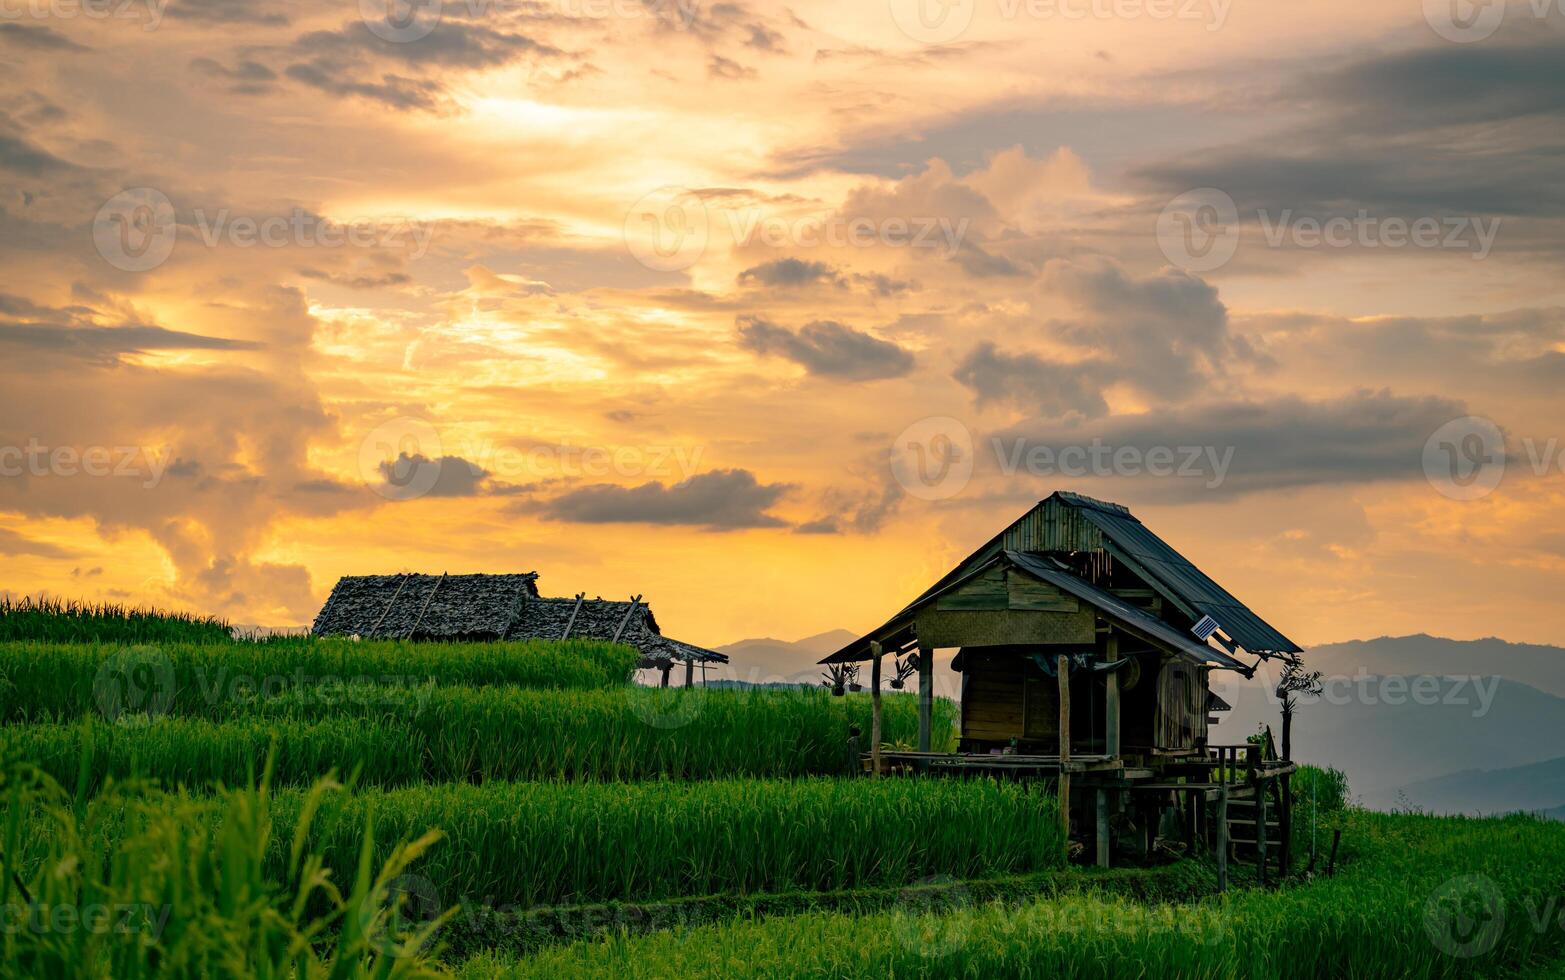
{"x":528,"y":844}
{"x":400,"y":737}
{"x":63,"y":621}
{"x":52,"y":681}
{"x":192,"y":889}
{"x":1383,"y":915}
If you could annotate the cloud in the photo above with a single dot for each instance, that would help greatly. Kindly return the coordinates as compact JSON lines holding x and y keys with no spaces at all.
{"x":789,"y":272}
{"x":359,"y":280}
{"x":455,"y":476}
{"x":1278,"y":443}
{"x":1466,"y":129}
{"x":720,"y":500}
{"x":1032,"y":383}
{"x":15,"y":543}
{"x":827,"y":349}
{"x":247,"y":77}
{"x":229,"y":12}
{"x":38,"y":38}
{"x":108,"y":343}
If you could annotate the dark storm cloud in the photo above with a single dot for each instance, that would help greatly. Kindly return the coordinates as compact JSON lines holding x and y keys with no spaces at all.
{"x":719,"y":500}
{"x":828,"y":349}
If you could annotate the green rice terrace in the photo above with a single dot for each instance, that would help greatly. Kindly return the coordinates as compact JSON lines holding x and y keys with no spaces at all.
{"x":175,"y":802}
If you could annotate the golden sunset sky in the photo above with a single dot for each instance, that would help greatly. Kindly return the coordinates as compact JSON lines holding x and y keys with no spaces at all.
{"x":717,"y":303}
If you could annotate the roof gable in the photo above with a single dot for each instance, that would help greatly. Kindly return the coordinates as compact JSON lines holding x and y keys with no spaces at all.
{"x":1070,"y":523}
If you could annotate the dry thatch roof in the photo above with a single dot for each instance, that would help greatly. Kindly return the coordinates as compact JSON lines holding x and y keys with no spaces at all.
{"x":630,"y":622}
{"x":433,"y":607}
{"x":490,"y":607}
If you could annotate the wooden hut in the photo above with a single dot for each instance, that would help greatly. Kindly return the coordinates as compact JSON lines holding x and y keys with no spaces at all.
{"x":1085,"y":643}
{"x":496,"y":607}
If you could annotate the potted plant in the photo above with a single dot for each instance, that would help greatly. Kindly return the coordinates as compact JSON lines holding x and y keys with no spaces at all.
{"x":852,"y":674}
{"x":905,"y":668}
{"x":835,"y":677}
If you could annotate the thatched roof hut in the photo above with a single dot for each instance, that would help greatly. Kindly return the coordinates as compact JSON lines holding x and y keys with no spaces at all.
{"x":493,"y":607}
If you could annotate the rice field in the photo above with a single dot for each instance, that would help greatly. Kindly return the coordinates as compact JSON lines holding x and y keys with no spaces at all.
{"x":46,"y":681}
{"x":641,"y":832}
{"x":405,"y":736}
{"x":1392,"y":912}
{"x":63,"y":621}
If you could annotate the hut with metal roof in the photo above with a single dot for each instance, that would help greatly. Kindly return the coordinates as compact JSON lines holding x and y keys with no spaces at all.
{"x":1084,"y":645}
{"x":496,"y":607}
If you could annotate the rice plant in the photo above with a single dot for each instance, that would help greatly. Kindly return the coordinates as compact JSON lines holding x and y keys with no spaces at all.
{"x":529,"y":844}
{"x":191,"y":888}
{"x":65,"y":621}
{"x":1421,"y":897}
{"x":52,"y":681}
{"x":391,"y":736}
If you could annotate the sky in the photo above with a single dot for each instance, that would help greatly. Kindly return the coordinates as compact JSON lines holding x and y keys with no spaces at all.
{"x":771,"y":313}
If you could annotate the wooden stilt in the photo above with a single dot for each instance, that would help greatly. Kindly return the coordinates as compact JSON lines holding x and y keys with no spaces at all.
{"x":1103,"y":828}
{"x":874,"y":701}
{"x":690,"y":673}
{"x":926,"y":695}
{"x":1222,"y":828}
{"x":1261,"y":789}
{"x":1111,"y":702}
{"x":1062,"y":669}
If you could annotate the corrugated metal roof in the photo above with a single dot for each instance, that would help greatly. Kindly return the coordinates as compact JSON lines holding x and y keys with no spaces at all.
{"x":1133,"y":618}
{"x":1085,"y":524}
{"x":1183,"y":583}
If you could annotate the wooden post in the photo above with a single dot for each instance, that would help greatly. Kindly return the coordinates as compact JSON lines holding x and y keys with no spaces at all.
{"x":1111,"y":709}
{"x":1222,"y":822}
{"x":690,"y":668}
{"x":1285,"y":828}
{"x":666,"y":668}
{"x":1062,"y":670}
{"x":1103,"y":828}
{"x":1260,"y":828}
{"x":1331,"y":862}
{"x":874,"y":702}
{"x":926,"y":695}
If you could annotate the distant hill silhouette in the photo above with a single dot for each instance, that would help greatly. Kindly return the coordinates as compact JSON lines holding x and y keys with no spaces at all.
{"x":765,"y":659}
{"x":1540,"y":786}
{"x":1538,"y":665}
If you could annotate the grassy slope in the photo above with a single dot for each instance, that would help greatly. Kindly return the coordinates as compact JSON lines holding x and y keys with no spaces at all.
{"x":1381,"y":916}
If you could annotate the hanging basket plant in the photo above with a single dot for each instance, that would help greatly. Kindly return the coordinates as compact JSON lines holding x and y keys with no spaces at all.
{"x":906,"y":667}
{"x":851,"y":674}
{"x":836,"y":678}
